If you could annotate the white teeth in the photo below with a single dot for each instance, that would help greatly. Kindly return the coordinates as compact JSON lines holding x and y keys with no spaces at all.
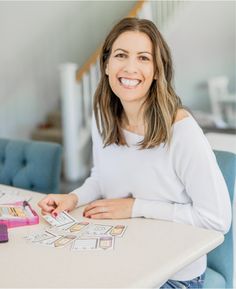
{"x":129,"y":82}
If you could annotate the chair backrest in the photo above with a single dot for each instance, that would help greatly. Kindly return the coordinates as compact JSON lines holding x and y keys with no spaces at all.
{"x":31,"y":165}
{"x":221,"y":259}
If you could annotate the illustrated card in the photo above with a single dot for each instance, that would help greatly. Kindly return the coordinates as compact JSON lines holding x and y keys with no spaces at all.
{"x":118,"y":231}
{"x":85,"y":244}
{"x":77,"y":227}
{"x":96,"y":230}
{"x":61,"y":220}
{"x":59,"y":241}
{"x":40,"y":236}
{"x":72,"y":228}
{"x":106,"y":243}
{"x":93,"y":243}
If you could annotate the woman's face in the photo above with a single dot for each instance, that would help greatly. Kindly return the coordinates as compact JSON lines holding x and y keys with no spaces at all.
{"x":130,"y":66}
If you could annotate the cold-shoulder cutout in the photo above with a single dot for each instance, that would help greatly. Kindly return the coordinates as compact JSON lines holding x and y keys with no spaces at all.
{"x":181,"y":114}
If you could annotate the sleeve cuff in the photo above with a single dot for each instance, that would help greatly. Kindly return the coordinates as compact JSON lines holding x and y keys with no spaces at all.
{"x":153,"y":209}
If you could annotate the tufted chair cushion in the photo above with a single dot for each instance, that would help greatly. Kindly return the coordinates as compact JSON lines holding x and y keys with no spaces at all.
{"x":214,"y":279}
{"x":220,"y":262}
{"x":31,"y":165}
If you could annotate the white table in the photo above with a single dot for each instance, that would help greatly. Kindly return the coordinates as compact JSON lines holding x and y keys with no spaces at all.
{"x":148,"y":254}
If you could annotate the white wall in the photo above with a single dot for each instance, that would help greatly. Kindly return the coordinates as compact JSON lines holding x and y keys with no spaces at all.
{"x":35,"y":38}
{"x":202,"y":37}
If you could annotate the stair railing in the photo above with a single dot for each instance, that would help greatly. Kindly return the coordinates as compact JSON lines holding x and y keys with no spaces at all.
{"x":77,"y":89}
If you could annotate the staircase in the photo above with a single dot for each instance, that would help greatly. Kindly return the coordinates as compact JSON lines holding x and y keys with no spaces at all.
{"x":71,"y":125}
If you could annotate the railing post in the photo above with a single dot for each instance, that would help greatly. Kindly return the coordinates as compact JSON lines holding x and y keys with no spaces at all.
{"x":70,"y":123}
{"x":86,"y":97}
{"x":94,"y":78}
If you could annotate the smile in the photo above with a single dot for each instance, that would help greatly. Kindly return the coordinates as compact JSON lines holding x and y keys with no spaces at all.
{"x":129,"y":83}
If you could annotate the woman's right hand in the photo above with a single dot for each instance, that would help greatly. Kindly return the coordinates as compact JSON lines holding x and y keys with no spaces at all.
{"x":56,"y":203}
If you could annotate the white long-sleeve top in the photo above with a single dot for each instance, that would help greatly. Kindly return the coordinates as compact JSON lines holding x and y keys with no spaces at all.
{"x":180,"y":183}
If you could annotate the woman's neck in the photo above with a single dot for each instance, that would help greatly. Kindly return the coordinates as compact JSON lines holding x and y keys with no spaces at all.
{"x":133,"y":119}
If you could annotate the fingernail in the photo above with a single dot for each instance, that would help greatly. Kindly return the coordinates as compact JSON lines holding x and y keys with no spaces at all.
{"x":54,"y":214}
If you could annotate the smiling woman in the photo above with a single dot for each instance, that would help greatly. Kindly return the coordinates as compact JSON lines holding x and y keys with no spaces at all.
{"x":130,"y":69}
{"x":151,"y":159}
{"x":137,"y":61}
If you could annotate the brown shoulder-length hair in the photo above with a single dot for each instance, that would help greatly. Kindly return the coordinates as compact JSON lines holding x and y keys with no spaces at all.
{"x":162,"y":103}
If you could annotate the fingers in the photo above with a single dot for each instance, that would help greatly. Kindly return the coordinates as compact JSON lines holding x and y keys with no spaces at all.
{"x":56,"y":203}
{"x":96,"y":210}
{"x":101,"y":216}
{"x":60,"y":208}
{"x":110,"y":209}
{"x":47,"y":204}
{"x":99,"y":203}
{"x":44,"y":212}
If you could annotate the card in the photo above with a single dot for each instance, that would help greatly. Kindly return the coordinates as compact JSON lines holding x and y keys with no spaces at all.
{"x":40,"y":236}
{"x":96,"y":230}
{"x":93,"y":243}
{"x":74,"y":229}
{"x":77,"y":227}
{"x":106,"y":243}
{"x":85,"y":244}
{"x":118,"y":231}
{"x":61,"y":220}
{"x":59,"y":241}
{"x":50,"y":239}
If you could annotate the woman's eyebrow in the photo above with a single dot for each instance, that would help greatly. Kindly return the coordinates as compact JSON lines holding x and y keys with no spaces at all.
{"x":128,"y":51}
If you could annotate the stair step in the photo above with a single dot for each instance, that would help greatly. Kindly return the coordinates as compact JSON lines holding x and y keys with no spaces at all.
{"x":48,"y":134}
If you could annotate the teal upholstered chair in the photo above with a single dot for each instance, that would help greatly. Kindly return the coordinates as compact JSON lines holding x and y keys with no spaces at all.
{"x":31,"y":165}
{"x":219,"y":273}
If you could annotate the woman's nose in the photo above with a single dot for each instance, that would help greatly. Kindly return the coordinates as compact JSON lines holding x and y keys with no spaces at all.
{"x":130,"y":66}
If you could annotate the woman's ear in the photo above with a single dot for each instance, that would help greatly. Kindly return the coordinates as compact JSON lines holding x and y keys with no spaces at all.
{"x":106,"y":70}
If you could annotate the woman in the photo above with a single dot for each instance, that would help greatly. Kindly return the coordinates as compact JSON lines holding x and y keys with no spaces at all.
{"x":151,"y":159}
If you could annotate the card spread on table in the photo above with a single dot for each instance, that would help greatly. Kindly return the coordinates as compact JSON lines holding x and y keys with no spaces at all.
{"x":65,"y":229}
{"x":99,"y":243}
{"x":40,"y":236}
{"x":61,"y":220}
{"x":97,"y":230}
{"x":118,"y":231}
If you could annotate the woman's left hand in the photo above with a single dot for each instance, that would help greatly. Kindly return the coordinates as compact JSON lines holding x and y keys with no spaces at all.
{"x":110,"y":209}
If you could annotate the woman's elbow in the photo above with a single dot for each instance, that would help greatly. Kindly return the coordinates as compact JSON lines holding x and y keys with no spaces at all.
{"x":225,"y":224}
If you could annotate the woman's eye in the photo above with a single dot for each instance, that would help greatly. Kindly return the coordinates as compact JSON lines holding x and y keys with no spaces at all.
{"x":120,"y":55}
{"x":144,"y":58}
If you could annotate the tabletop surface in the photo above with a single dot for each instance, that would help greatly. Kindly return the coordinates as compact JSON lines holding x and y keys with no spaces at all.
{"x":147,"y":255}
